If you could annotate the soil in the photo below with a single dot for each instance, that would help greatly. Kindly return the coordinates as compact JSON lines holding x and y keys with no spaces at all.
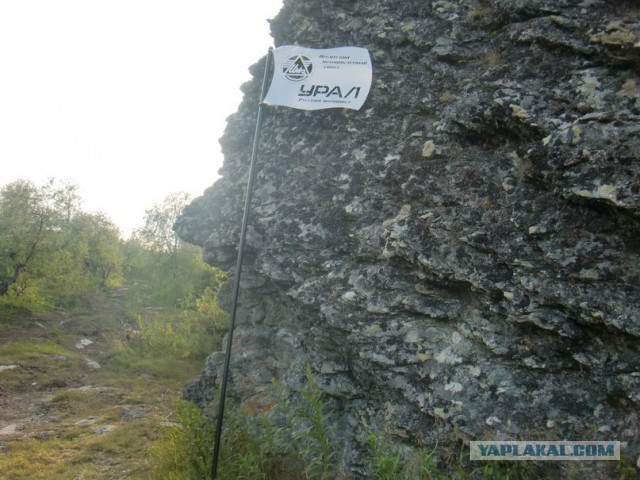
{"x":70,"y":406}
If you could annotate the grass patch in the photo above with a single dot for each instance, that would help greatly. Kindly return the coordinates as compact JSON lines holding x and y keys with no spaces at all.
{"x":83,"y":453}
{"x":105,"y":426}
{"x":41,"y":365}
{"x":126,"y":361}
{"x":192,"y":330}
{"x":87,"y":401}
{"x":32,"y":459}
{"x":26,"y":351}
{"x":287,"y":437}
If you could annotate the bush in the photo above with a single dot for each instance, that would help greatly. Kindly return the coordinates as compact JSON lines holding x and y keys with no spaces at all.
{"x":190,"y":333}
{"x":292,"y":441}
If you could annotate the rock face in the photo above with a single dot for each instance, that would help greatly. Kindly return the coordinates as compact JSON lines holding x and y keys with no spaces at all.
{"x":461,"y":256}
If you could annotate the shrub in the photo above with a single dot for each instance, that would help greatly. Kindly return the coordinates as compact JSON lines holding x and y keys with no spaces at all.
{"x":292,"y":441}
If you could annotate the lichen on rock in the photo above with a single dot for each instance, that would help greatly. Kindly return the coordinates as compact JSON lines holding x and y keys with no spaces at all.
{"x":464,"y":251}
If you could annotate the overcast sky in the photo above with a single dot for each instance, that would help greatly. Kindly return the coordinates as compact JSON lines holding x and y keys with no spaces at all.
{"x":125,"y":98}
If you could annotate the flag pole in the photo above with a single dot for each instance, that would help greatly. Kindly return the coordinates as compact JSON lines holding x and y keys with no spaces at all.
{"x":236,"y":287}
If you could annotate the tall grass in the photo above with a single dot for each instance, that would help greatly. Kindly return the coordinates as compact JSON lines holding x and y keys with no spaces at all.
{"x":192,"y":331}
{"x":293,"y":440}
{"x":296,"y":440}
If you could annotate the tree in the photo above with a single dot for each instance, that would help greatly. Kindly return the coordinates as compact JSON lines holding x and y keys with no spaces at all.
{"x":49,"y":247}
{"x":28,"y":217}
{"x":157,"y":232}
{"x":96,"y":242}
{"x":174,"y":270}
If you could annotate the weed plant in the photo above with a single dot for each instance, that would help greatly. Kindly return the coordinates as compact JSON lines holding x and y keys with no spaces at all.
{"x":191,"y":331}
{"x":292,"y":441}
{"x":388,"y":461}
{"x":311,"y":429}
{"x":385,"y":459}
{"x":296,"y":440}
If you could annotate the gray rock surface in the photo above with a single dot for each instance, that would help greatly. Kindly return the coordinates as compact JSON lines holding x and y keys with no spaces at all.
{"x":462,"y":256}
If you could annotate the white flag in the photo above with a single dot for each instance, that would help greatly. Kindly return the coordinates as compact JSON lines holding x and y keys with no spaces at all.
{"x":312,"y":79}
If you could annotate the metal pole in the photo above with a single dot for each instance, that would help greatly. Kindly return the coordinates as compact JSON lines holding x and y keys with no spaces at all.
{"x":236,"y":287}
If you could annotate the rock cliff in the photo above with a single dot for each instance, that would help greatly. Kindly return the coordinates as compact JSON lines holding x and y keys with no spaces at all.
{"x":462,"y":256}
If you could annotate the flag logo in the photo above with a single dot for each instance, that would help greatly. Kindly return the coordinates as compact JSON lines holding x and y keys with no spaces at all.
{"x":312,"y":79}
{"x":297,"y":68}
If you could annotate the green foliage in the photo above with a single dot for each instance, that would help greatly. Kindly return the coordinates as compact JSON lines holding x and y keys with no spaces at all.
{"x":192,"y":331}
{"x":56,"y":447}
{"x":187,"y":321}
{"x":27,"y":218}
{"x":247,"y":452}
{"x":292,"y":441}
{"x":385,"y":459}
{"x":157,"y":232}
{"x":506,"y":471}
{"x":49,"y":364}
{"x":170,"y":278}
{"x":313,"y":430}
{"x":22,"y":351}
{"x":173,"y":270}
{"x":186,"y":450}
{"x":29,"y":300}
{"x":52,"y":252}
{"x":295,"y":440}
{"x":157,"y":235}
{"x":423,"y":464}
{"x":626,"y":469}
{"x":99,"y":241}
{"x":389,"y":461}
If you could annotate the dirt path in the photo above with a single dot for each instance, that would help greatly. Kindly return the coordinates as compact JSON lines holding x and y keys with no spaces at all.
{"x":42,"y":369}
{"x":75,"y":401}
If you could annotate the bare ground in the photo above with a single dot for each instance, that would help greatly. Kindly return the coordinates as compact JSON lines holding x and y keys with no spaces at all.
{"x":73,"y":403}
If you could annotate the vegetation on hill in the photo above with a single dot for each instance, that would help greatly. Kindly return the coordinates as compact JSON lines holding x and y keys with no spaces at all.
{"x":97,"y":334}
{"x":97,"y":337}
{"x":51,"y":251}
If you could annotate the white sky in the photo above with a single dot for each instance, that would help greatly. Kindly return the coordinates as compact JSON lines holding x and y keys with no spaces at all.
{"x":125,"y":98}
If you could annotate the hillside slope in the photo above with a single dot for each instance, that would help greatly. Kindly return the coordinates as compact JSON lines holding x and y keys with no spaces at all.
{"x":76,"y":401}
